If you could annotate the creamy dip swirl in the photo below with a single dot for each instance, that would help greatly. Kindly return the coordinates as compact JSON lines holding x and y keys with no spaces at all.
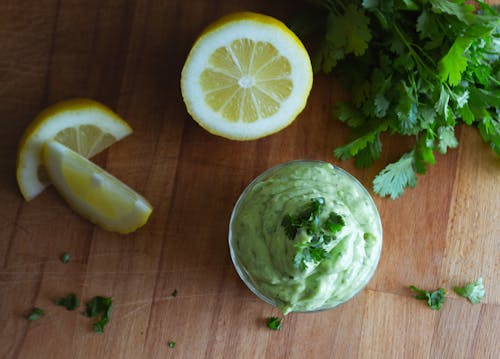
{"x":264,"y":254}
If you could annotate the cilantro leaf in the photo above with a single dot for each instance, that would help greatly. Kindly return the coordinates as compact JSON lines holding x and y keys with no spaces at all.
{"x":358,"y":33}
{"x":308,"y":219}
{"x":473,"y":291}
{"x":447,"y":139}
{"x":35,"y":314}
{"x":99,"y":306}
{"x":464,"y":12}
{"x":70,"y":302}
{"x":171,"y":344}
{"x":334,"y":223}
{"x":274,"y":323}
{"x":174,"y":293}
{"x":354,"y":147}
{"x":466,"y":114}
{"x":369,"y":154}
{"x":435,"y":299}
{"x":454,"y":63}
{"x":312,"y":249}
{"x":349,"y":114}
{"x":361,"y":142}
{"x":395,"y":177}
{"x":309,"y":252}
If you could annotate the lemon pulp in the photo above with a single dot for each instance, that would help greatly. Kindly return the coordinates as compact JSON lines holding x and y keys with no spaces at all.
{"x":93,"y":192}
{"x":247,"y":76}
{"x":246,"y":80}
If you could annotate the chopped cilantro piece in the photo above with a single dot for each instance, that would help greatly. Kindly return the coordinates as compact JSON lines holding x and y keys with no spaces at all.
{"x":274,"y":323}
{"x":65,"y":257}
{"x":70,"y":302}
{"x":171,"y":344}
{"x":174,"y":293}
{"x":308,"y":219}
{"x":99,"y":306}
{"x":334,"y":222}
{"x":35,"y":314}
{"x":434,"y":299}
{"x":473,"y":291}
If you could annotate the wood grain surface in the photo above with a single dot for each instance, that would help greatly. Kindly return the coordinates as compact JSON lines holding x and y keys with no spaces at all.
{"x":128,"y":55}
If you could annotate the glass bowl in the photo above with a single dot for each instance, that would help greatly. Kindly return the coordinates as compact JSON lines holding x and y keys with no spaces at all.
{"x":265,"y":257}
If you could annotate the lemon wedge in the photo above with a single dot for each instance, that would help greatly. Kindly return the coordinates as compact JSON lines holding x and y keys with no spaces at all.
{"x":84,"y":125}
{"x":247,"y":76}
{"x":92,"y":192}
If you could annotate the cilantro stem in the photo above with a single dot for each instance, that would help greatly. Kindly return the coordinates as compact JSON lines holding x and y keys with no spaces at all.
{"x":426,"y":55}
{"x":414,"y":54}
{"x":494,"y":80}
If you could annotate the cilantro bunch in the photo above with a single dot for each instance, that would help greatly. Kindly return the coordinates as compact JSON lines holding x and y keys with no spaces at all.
{"x":416,"y":68}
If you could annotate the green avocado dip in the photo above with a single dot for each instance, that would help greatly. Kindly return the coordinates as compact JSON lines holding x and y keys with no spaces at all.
{"x":305,"y":236}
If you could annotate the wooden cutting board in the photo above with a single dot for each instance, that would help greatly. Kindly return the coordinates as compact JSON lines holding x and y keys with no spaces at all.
{"x":129,"y":54}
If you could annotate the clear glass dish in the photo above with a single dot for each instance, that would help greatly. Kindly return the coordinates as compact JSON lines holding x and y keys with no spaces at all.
{"x":342,"y":190}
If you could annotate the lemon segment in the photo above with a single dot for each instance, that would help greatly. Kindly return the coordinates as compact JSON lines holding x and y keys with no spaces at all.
{"x":84,"y":125}
{"x":247,"y":76}
{"x":94,"y":193}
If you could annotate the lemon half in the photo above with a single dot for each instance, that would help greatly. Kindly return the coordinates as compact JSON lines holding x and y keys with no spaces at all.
{"x":94,"y":193}
{"x":247,"y":76}
{"x":83,"y":125}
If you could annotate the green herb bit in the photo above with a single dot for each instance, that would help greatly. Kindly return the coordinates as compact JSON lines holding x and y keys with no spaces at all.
{"x":308,"y":219}
{"x":274,"y":323}
{"x":70,"y":302}
{"x":65,"y":257}
{"x":334,"y":223}
{"x":99,"y":306}
{"x":434,"y":299}
{"x":36,"y":313}
{"x":171,"y":344}
{"x":174,"y":293}
{"x":473,"y":291}
{"x":312,"y":251}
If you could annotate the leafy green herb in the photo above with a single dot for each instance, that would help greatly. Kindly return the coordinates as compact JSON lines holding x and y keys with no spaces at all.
{"x":308,"y":219}
{"x":416,"y":68}
{"x":473,"y":291}
{"x":99,"y":306}
{"x":174,"y":293}
{"x":36,"y":313}
{"x":65,"y":257}
{"x":434,"y":299}
{"x":70,"y":302}
{"x":312,"y":250}
{"x":274,"y":323}
{"x":171,"y":344}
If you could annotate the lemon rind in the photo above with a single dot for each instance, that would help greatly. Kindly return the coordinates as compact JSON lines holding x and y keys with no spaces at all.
{"x":83,"y":112}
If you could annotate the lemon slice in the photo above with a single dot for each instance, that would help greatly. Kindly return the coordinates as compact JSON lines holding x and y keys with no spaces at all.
{"x":94,"y":193}
{"x":83,"y":125}
{"x":247,"y":76}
